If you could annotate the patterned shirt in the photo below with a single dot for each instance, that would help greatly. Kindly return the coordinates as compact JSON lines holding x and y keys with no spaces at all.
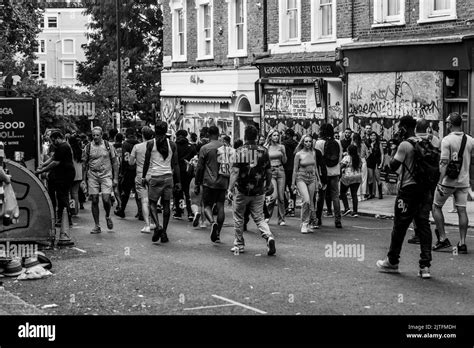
{"x":253,"y":162}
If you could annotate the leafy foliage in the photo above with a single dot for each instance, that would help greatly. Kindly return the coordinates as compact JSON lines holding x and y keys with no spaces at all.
{"x":19,"y":27}
{"x":141,"y":42}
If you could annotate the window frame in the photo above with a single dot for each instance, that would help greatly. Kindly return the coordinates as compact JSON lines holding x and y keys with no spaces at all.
{"x":284,"y":39}
{"x":316,"y":22}
{"x":39,"y":46}
{"x":73,"y":45}
{"x":47,"y":21}
{"x":233,"y":50}
{"x":202,"y":40}
{"x":429,"y":15}
{"x":176,"y":6}
{"x":381,"y":17}
{"x":63,"y":74}
{"x":38,"y":64}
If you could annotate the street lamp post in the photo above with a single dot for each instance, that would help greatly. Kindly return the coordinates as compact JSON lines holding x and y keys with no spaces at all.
{"x":119,"y":63}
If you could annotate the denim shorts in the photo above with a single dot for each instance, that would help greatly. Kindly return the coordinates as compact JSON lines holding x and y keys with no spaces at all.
{"x":307,"y":177}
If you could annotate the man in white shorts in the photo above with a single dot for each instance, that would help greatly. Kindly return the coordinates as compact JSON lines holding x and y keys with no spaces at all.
{"x":458,"y":186}
{"x":138,"y":156}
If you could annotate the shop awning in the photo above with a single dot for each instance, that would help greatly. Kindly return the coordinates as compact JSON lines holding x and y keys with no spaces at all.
{"x":200,"y":97}
{"x":207,"y":100}
{"x":431,"y":54}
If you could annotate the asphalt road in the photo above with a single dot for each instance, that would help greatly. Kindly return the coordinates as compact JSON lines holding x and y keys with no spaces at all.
{"x":123,"y":272}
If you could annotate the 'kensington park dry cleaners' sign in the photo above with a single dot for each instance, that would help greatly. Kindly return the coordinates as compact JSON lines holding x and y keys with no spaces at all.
{"x":299,"y":69}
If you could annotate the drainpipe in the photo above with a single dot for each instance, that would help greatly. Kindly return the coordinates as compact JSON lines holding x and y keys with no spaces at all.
{"x":265,"y":26}
{"x":352,"y":20}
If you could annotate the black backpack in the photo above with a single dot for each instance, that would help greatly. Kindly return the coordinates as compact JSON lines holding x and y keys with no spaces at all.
{"x":425,"y":164}
{"x":331,"y":152}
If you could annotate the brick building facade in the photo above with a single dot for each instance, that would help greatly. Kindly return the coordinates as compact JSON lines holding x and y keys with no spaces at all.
{"x":208,"y":50}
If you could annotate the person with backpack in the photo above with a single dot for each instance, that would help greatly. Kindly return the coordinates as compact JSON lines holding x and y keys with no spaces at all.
{"x":413,"y":201}
{"x":100,"y":162}
{"x":127,"y":174}
{"x":456,"y":152}
{"x":213,"y":173}
{"x":331,"y":150}
{"x":160,"y":171}
{"x":374,"y":162}
{"x":351,"y":166}
{"x":421,"y":131}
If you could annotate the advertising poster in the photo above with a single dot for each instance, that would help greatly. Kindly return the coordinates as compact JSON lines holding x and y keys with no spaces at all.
{"x":292,"y":106}
{"x":18,"y":130}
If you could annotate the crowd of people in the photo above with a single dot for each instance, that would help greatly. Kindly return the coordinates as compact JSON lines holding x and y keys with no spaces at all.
{"x":198,"y":176}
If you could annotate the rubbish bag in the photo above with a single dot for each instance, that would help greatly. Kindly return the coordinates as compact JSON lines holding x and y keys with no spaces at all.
{"x":9,"y":210}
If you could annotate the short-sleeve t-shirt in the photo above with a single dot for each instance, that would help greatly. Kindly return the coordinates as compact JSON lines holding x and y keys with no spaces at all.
{"x":406,"y":154}
{"x":332,"y":171}
{"x":138,"y":153}
{"x":99,"y":159}
{"x":253,"y":162}
{"x":450,"y":146}
{"x":64,"y":172}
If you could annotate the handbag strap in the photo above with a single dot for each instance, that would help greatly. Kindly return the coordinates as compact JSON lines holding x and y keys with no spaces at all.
{"x":461,"y":150}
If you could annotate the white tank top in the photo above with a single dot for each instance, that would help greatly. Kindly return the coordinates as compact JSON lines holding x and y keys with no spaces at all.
{"x":158,"y":165}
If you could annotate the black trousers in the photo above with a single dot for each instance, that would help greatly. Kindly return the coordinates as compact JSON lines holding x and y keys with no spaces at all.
{"x":126,"y":185}
{"x":62,"y":196}
{"x":411,"y":204}
{"x":183,"y":193}
{"x":353,"y":188}
{"x":288,"y":179}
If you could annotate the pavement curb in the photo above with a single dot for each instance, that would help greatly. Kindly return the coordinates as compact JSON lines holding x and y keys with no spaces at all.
{"x":390,"y":216}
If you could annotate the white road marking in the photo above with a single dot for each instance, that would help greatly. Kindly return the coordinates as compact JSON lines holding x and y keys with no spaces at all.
{"x":240,"y":304}
{"x":206,"y":307}
{"x":82,"y":251}
{"x":371,"y":228}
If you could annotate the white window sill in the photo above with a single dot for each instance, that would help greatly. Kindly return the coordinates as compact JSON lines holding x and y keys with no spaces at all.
{"x":237,"y":55}
{"x":437,"y":19}
{"x":204,"y":58}
{"x":388,"y":24}
{"x":323,"y":40}
{"x":179,"y":60}
{"x":290,"y":43}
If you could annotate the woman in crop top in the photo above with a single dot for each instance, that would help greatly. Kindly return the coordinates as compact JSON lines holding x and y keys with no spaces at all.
{"x":277,"y":154}
{"x":306,"y":178}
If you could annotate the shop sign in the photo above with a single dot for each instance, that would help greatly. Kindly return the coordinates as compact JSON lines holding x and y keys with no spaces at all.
{"x":300,"y":69}
{"x":317,"y":93}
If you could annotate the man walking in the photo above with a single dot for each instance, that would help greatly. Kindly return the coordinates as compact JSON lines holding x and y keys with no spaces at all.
{"x":137,"y":157}
{"x":160,"y":169}
{"x":186,"y":152}
{"x":456,"y":149}
{"x":413,"y":202}
{"x":213,"y":172}
{"x":100,"y":162}
{"x":347,"y":140}
{"x":127,"y":174}
{"x":290,"y":145}
{"x":251,"y":178}
{"x":62,"y":168}
{"x":331,"y":150}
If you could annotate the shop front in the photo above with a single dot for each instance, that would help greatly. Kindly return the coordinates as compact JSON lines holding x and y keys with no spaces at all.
{"x":300,"y":95}
{"x":424,"y":78}
{"x":193,"y":99}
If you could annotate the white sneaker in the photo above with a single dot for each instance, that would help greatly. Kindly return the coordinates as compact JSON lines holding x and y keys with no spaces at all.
{"x":283,"y":223}
{"x":304,"y":227}
{"x":152,"y":226}
{"x":146,"y":229}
